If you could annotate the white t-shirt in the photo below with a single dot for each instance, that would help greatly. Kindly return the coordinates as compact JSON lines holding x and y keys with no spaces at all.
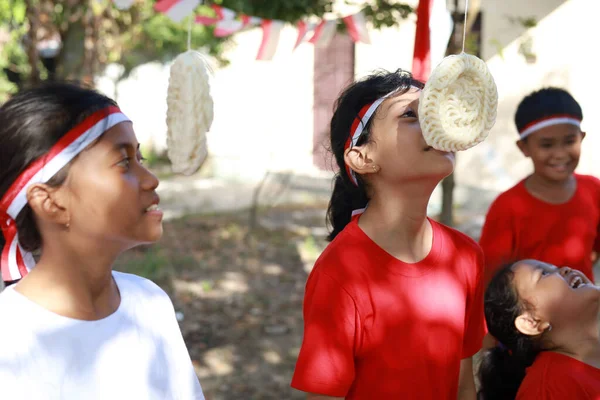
{"x":136,"y":353}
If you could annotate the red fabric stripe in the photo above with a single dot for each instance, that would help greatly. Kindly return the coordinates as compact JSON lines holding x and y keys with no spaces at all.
{"x":203,"y":20}
{"x":537,"y":121}
{"x":349,"y":172}
{"x":219,"y":11}
{"x":317,"y":33}
{"x":9,"y":234}
{"x":352,"y":30}
{"x":62,"y":143}
{"x":302,"y":28}
{"x":357,"y":120}
{"x":165,"y":5}
{"x":422,"y":58}
{"x":245,"y":20}
{"x":21,"y":264}
{"x":266,"y":26}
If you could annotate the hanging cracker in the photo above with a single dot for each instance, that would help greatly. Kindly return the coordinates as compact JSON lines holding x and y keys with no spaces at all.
{"x":189,"y":112}
{"x":458,"y":105}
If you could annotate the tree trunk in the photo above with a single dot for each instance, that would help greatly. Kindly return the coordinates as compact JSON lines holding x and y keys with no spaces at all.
{"x":32,"y":40}
{"x":454,"y":47}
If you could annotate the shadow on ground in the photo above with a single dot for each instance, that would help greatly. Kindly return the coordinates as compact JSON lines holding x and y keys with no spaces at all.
{"x":239,"y":294}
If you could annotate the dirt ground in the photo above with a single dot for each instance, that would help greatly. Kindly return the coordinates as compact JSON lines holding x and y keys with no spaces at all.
{"x":238,"y":293}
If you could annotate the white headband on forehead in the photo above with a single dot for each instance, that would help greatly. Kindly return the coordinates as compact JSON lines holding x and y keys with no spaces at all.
{"x":16,"y":262}
{"x":549,"y":121}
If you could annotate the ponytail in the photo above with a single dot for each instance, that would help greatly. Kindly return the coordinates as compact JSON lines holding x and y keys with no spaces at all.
{"x":346,"y":197}
{"x":502,"y":370}
{"x":503,"y":367}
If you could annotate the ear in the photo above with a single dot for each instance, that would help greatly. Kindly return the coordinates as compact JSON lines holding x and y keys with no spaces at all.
{"x":358,"y":161}
{"x":528,"y":325}
{"x":583,"y":134}
{"x":524,"y":147}
{"x":46,"y":203}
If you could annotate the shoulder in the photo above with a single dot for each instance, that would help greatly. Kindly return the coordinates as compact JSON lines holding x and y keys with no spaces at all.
{"x":349,"y":249}
{"x":510,"y":199}
{"x":345,"y":265}
{"x":589,"y":182}
{"x":460,"y":240}
{"x":12,"y":306}
{"x":553,"y":376}
{"x":18,"y":333}
{"x":587,"y":179}
{"x":134,"y":285}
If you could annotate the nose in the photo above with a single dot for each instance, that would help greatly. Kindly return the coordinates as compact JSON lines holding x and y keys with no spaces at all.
{"x":561,"y":152}
{"x":149,"y":181}
{"x":564,"y":271}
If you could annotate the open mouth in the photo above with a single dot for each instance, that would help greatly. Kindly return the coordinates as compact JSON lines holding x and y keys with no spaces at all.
{"x":560,"y":167}
{"x":153,"y":207}
{"x":576,"y":282}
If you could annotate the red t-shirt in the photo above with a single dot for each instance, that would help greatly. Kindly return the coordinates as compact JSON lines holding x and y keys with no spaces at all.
{"x":378,"y":328}
{"x":554,"y":376}
{"x":520,"y":226}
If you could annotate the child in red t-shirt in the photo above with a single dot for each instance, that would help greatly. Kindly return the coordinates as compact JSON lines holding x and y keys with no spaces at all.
{"x":393,"y":307}
{"x":546,"y":319}
{"x":554,"y":214}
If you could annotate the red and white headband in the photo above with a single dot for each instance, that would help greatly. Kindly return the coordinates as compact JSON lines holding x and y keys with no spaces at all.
{"x":549,"y":121}
{"x":15,"y":262}
{"x":360,"y":123}
{"x":358,"y":126}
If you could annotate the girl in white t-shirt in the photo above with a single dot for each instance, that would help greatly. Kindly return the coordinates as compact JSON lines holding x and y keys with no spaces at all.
{"x":73,"y":187}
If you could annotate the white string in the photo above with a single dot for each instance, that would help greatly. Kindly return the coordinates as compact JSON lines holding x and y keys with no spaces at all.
{"x":189,"y":42}
{"x":465,"y":25}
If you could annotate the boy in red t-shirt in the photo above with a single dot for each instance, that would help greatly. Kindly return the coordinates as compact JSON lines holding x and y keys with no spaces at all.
{"x":554,"y":214}
{"x":393,"y":307}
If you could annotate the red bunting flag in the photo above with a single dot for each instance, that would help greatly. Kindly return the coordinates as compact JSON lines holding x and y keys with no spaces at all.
{"x":177,"y":10}
{"x":270,"y":40}
{"x":357,"y":27}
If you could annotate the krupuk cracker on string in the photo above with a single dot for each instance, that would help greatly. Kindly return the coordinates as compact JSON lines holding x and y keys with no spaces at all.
{"x":458,"y":105}
{"x":189,"y":112}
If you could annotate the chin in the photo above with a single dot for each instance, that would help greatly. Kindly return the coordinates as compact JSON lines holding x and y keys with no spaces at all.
{"x":560,"y":177}
{"x":150,"y":236}
{"x":449,"y":164}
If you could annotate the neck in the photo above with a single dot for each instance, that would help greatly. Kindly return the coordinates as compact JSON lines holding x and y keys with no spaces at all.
{"x":397,"y":220}
{"x":583,"y":343}
{"x":551,"y":191}
{"x":74,"y":284}
{"x":540,"y":182}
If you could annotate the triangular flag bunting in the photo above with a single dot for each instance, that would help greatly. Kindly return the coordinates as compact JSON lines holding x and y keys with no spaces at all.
{"x":357,"y":27}
{"x":324,"y":33}
{"x":270,"y":40}
{"x":177,"y":10}
{"x":304,"y":28}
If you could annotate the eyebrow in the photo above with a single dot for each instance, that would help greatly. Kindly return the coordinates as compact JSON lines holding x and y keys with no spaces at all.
{"x":537,"y":274}
{"x":126,"y":146}
{"x":401,"y":101}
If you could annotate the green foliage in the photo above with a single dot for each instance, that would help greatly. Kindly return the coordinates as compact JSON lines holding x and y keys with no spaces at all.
{"x":158,"y":38}
{"x":384,"y":13}
{"x":525,"y":22}
{"x":12,"y":55}
{"x":381,"y":13}
{"x":140,"y":35}
{"x":289,"y":10}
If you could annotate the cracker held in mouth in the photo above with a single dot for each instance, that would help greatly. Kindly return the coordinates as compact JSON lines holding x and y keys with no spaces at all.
{"x":189,"y":112}
{"x":458,"y":105}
